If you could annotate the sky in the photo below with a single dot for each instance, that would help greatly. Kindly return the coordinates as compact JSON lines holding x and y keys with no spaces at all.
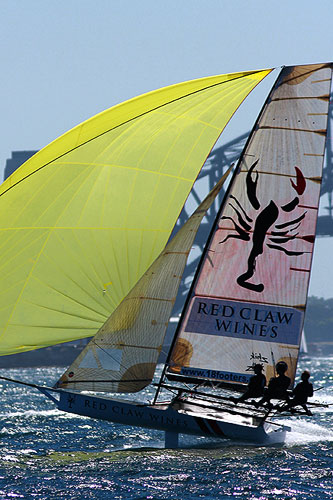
{"x":64,"y":61}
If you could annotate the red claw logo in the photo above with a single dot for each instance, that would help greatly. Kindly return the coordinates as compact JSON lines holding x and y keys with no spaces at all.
{"x":266,"y":218}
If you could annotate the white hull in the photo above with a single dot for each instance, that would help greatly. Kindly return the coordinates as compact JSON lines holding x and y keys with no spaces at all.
{"x":174,"y":419}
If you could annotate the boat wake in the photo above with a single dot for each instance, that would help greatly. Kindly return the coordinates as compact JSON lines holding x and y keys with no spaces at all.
{"x":303,"y":432}
{"x":326,"y":399}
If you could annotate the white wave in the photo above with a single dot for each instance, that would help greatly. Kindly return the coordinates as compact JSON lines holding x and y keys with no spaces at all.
{"x":9,"y":458}
{"x":325,"y":398}
{"x":31,"y":413}
{"x":303,"y":432}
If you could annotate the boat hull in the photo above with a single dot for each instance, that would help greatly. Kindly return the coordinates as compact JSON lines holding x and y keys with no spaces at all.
{"x":165,"y":417}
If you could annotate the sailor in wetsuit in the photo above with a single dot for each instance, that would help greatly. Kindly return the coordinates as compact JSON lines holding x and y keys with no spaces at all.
{"x":277,"y":387}
{"x":301,"y":393}
{"x":255,"y":387}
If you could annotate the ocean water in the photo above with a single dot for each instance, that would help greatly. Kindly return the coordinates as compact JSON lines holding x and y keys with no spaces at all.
{"x":47,"y":454}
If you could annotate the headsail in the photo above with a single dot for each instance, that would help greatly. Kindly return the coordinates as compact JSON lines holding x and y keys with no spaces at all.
{"x":248,"y":299}
{"x":84,"y":218}
{"x":122,"y":356}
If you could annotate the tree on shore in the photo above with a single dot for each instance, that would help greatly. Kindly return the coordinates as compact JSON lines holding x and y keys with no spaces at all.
{"x":318,"y":325}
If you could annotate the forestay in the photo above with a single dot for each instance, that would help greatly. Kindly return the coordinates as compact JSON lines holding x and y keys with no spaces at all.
{"x":83,"y":219}
{"x":248,"y":301}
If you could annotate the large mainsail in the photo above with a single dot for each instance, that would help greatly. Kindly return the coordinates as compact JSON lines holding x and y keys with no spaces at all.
{"x":83,"y":219}
{"x":122,"y":356}
{"x":248,"y":300}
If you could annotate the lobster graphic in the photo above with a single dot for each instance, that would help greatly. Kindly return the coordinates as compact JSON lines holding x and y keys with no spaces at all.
{"x":266,"y":218}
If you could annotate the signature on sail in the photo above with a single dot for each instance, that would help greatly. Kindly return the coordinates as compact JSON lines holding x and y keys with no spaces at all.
{"x":261,"y":227}
{"x":257,"y":357}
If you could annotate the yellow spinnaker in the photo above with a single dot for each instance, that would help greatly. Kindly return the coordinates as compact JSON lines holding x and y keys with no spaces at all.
{"x":83,"y":219}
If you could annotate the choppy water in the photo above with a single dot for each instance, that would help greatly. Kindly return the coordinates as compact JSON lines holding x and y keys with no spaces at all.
{"x":46,"y":454}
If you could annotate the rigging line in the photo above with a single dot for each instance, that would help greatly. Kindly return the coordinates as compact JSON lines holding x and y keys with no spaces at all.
{"x":222,"y":409}
{"x":93,"y":341}
{"x":273,"y":361}
{"x":291,"y":364}
{"x":132,"y":119}
{"x":107,"y":381}
{"x":211,"y":398}
{"x":171,"y":388}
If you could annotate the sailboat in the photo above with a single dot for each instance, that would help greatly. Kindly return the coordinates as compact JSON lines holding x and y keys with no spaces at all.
{"x":303,"y":345}
{"x":247,"y":300}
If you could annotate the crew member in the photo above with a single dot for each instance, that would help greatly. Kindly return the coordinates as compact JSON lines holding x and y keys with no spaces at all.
{"x":277,"y":387}
{"x":301,"y":393}
{"x":256,"y":385}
